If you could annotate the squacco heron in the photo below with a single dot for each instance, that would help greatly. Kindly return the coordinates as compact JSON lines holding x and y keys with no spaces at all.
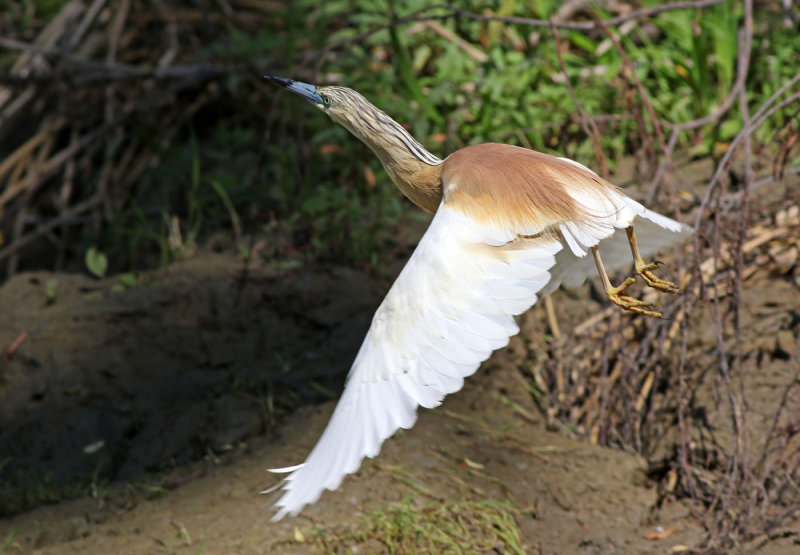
{"x":509,"y":225}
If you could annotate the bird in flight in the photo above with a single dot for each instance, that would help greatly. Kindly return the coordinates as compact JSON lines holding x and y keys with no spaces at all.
{"x":510,"y":225}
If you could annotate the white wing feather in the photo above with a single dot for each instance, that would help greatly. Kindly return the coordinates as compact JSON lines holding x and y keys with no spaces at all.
{"x":572,"y":269}
{"x":450,"y":307}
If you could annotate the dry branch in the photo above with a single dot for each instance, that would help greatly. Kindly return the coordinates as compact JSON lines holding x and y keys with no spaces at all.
{"x":614,"y":379}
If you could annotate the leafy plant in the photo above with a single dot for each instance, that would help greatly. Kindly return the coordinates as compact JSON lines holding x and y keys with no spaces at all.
{"x":96,"y":262}
{"x":255,"y":160}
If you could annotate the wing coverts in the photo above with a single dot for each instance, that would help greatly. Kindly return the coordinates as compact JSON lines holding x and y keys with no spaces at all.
{"x":450,"y":307}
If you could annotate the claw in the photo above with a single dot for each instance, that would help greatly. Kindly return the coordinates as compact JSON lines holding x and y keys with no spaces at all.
{"x":646,"y":271}
{"x":615,"y":295}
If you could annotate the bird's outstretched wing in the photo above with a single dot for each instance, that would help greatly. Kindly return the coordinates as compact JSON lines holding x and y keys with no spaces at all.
{"x":450,"y":307}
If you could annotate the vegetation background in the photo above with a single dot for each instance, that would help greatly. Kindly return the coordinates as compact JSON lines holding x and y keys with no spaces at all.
{"x":136,"y":134}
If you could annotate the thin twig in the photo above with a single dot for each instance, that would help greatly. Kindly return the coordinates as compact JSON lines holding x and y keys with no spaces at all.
{"x":79,"y":208}
{"x":760,"y":117}
{"x":589,"y":126}
{"x":588,"y":25}
{"x":450,"y":12}
{"x":643,"y":94}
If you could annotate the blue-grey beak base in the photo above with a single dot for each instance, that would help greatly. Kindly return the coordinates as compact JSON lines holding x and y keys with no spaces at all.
{"x":309,"y":92}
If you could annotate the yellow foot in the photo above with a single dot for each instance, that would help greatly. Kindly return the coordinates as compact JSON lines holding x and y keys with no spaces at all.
{"x":646,"y":271}
{"x":615,"y":295}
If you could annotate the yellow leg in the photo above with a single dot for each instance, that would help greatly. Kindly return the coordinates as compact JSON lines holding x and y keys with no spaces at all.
{"x":615,"y":294}
{"x":646,"y":270}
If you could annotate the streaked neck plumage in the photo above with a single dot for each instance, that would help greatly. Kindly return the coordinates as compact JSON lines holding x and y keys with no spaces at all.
{"x":415,"y":171}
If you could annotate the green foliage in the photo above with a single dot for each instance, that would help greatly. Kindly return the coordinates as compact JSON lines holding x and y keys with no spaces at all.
{"x":6,"y":542}
{"x":688,"y":68}
{"x":695,"y":76}
{"x":50,"y":291}
{"x":304,"y":183}
{"x":128,"y":280}
{"x":202,"y":185}
{"x":442,"y":88}
{"x":18,"y":493}
{"x":408,"y":527}
{"x":96,"y":262}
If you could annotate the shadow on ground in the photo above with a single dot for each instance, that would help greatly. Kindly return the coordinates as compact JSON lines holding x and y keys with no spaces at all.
{"x":108,"y":384}
{"x":159,"y":406}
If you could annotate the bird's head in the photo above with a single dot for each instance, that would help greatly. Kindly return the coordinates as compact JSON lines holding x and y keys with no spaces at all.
{"x":345,"y":106}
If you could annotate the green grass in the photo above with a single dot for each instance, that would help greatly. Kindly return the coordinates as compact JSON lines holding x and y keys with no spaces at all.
{"x":6,"y":543}
{"x":408,"y":527}
{"x":19,"y":494}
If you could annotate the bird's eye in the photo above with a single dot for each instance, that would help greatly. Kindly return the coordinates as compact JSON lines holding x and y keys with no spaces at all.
{"x":326,"y":100}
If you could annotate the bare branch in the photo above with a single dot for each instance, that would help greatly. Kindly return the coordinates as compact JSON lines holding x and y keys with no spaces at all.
{"x":589,"y":126}
{"x":430,"y":13}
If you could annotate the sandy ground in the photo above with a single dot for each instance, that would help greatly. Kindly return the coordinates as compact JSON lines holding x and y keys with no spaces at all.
{"x":572,"y":497}
{"x":166,"y":402}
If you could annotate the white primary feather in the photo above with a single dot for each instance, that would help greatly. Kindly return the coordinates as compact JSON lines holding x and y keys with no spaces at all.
{"x":450,"y":307}
{"x":571,"y":269}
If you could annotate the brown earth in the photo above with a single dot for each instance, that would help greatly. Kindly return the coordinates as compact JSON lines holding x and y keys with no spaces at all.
{"x":176,"y":339}
{"x":162,"y":404}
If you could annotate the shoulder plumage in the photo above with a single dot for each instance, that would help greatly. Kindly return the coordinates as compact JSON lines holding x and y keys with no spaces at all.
{"x":523,"y":189}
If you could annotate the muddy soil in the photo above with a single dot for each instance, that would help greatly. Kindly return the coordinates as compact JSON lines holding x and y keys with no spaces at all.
{"x":162,"y":404}
{"x":574,"y":497}
{"x":112,"y":382}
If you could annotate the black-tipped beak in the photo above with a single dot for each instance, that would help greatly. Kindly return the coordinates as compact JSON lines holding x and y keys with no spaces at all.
{"x":309,"y":92}
{"x":279,"y":80}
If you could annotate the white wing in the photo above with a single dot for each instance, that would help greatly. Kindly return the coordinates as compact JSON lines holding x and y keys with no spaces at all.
{"x":616,"y":210}
{"x":654,"y":232}
{"x":451,"y":306}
